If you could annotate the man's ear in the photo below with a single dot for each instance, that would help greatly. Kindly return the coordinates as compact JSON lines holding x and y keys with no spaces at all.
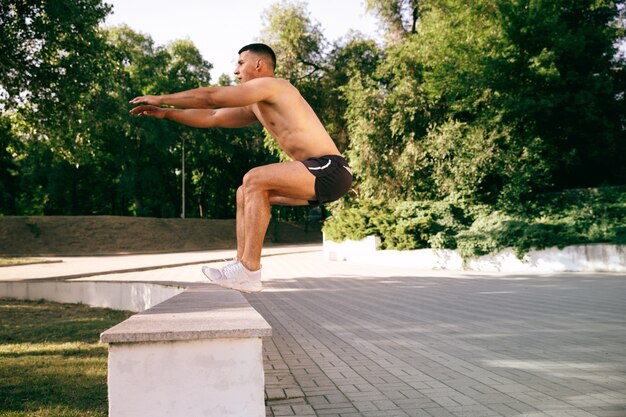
{"x":258,"y":64}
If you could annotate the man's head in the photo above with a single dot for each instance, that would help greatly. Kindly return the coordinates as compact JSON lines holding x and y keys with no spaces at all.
{"x":255,"y":60}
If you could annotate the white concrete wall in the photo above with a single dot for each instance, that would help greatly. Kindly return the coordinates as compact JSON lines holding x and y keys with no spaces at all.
{"x":577,"y":258}
{"x":200,"y":378}
{"x":350,"y":249}
{"x":127,"y":296}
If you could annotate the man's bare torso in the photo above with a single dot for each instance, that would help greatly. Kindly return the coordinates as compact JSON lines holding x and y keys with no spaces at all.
{"x":294,"y":124}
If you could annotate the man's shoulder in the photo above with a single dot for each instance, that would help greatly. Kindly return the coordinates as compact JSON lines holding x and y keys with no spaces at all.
{"x":270,"y":81}
{"x":276,"y":89}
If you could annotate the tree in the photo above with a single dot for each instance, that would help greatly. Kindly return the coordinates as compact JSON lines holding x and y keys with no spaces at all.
{"x":398,"y":17}
{"x":567,"y":90}
{"x":101,"y":160}
{"x":9,"y":180}
{"x":491,"y":101}
{"x":49,"y":56}
{"x":49,"y":50}
{"x":351,"y":55}
{"x":296,"y":39}
{"x":543,"y":74}
{"x":387,"y":116}
{"x":216,"y":159}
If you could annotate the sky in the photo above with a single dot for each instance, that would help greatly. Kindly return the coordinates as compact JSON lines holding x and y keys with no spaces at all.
{"x":219,"y":28}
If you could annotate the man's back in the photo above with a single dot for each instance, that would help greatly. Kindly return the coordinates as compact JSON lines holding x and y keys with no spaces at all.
{"x":292,"y":121}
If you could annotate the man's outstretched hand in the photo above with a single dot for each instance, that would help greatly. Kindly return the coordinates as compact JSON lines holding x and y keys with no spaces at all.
{"x":153,"y":111}
{"x":152,"y":100}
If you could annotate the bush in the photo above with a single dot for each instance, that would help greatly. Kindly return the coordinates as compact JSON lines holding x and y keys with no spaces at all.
{"x":498,"y":231}
{"x":357,"y":222}
{"x":550,"y":220}
{"x":403,"y":226}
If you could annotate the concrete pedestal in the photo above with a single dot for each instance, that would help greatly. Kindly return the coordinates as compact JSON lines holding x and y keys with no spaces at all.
{"x":197,"y":354}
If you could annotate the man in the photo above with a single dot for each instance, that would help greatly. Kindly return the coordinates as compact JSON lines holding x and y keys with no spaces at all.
{"x":317,"y":174}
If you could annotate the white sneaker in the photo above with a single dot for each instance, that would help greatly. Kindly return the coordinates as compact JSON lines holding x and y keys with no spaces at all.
{"x":234,"y":276}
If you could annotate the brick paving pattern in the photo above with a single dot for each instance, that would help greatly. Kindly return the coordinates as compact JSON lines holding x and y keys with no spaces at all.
{"x":371,"y":341}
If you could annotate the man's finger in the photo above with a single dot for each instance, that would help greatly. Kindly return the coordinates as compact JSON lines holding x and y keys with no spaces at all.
{"x":139,"y":110}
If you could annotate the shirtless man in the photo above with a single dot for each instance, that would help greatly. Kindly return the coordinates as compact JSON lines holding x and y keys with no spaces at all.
{"x":317,"y":174}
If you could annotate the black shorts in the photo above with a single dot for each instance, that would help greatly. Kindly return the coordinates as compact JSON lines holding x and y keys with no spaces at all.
{"x":333,"y":177}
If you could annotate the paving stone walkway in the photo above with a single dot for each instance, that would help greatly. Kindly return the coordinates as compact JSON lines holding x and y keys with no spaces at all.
{"x":369,"y":341}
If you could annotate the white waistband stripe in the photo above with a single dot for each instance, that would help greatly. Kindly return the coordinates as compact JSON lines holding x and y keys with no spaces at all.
{"x":318,"y":168}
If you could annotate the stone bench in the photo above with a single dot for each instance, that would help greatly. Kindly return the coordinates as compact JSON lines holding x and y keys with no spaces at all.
{"x":198,"y":353}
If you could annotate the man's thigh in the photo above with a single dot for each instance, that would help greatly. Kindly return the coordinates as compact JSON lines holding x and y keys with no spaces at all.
{"x":284,"y":179}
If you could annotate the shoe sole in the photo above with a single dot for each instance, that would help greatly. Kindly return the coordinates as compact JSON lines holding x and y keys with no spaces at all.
{"x":248,"y":289}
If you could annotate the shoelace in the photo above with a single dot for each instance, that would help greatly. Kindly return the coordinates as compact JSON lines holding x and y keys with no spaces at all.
{"x":230,"y":260}
{"x":232,"y":269}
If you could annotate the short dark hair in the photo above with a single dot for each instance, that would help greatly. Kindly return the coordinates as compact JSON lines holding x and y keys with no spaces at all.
{"x":262,"y":49}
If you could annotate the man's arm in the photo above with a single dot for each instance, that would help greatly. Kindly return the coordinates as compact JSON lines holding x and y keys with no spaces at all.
{"x":253,"y":91}
{"x":226,"y":117}
{"x":193,"y":99}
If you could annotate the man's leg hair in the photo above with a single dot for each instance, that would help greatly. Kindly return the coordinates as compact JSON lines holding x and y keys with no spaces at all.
{"x":283,"y":183}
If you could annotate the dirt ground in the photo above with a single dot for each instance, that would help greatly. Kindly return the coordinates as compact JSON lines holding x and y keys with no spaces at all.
{"x":106,"y":235}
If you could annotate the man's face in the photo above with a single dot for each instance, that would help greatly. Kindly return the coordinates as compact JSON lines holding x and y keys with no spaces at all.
{"x":246,"y":66}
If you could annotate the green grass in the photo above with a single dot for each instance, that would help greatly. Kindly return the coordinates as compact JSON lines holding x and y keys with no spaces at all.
{"x":18,"y":261}
{"x":51,"y":363}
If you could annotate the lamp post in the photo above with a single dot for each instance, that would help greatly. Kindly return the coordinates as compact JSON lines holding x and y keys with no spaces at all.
{"x":182,"y":215}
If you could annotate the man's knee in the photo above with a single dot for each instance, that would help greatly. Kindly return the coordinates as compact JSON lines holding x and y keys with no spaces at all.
{"x":240,"y":194}
{"x":252,"y":180}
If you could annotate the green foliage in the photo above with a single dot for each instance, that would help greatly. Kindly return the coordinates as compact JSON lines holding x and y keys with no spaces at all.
{"x":398,"y":17}
{"x":49,"y":51}
{"x":497,"y":231}
{"x":296,"y":39}
{"x":406,"y":225}
{"x":567,"y":86}
{"x":529,"y":91}
{"x":557,"y":220}
{"x":423,"y":225}
{"x":552,"y":220}
{"x":9,"y":179}
{"x":357,"y":222}
{"x":353,"y":54}
{"x":386,"y":117}
{"x":101,"y":160}
{"x":496,"y":108}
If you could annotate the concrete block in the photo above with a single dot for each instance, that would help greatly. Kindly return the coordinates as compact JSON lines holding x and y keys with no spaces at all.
{"x":198,"y":353}
{"x":194,"y":378}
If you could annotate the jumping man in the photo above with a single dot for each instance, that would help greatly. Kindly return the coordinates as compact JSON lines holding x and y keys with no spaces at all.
{"x":317,"y":174}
